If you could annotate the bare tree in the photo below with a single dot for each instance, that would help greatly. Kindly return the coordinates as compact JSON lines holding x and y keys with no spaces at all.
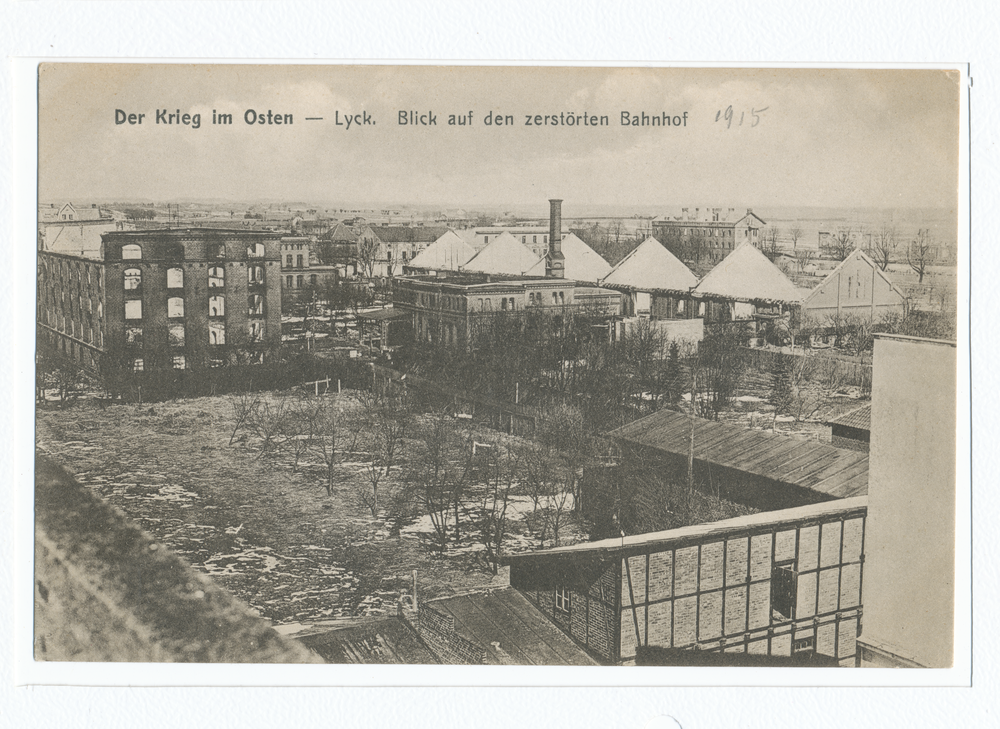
{"x":333,"y":435}
{"x":244,"y":406}
{"x":803,"y":256}
{"x":842,"y":243}
{"x":368,"y":253}
{"x":920,"y":253}
{"x":439,"y":470}
{"x":298,"y":426}
{"x":388,"y":417}
{"x":884,"y":245}
{"x":769,"y":243}
{"x":500,"y":473}
{"x":267,"y":422}
{"x":795,"y":233}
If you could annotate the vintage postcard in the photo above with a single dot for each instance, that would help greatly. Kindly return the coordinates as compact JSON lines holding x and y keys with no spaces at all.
{"x":502,"y":366}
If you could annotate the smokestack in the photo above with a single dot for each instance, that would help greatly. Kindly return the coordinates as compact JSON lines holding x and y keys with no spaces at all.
{"x":555,"y":263}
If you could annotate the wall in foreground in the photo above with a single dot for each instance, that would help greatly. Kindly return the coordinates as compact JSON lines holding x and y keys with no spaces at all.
{"x":105,"y":591}
{"x":911,"y":538}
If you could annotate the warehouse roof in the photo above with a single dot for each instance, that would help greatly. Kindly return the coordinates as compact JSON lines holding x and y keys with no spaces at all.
{"x":449,"y":252}
{"x":808,"y":464}
{"x":582,"y":263}
{"x":510,"y":629}
{"x":505,"y":255}
{"x":651,"y":267}
{"x":747,"y":275}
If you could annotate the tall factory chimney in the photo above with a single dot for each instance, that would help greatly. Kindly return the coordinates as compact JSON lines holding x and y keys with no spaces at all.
{"x":555,"y":262}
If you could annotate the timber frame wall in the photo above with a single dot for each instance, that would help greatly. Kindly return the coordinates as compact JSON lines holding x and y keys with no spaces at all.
{"x":778,"y":583}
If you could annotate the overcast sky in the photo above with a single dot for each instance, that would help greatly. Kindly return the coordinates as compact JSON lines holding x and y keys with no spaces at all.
{"x":849,"y":138}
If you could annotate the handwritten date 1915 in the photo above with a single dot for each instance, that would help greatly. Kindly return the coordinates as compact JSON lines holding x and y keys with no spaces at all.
{"x":728,"y":116}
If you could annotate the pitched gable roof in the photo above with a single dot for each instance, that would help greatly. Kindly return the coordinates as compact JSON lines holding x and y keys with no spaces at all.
{"x":583,"y":263}
{"x":448,"y":253}
{"x":856,"y":253}
{"x":342,"y":233}
{"x":504,"y":255}
{"x":651,"y":267}
{"x":747,"y":275}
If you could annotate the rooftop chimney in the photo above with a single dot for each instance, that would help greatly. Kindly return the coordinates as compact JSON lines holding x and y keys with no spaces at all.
{"x":555,"y":262}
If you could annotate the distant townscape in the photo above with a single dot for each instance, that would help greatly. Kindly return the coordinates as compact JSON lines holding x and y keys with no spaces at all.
{"x":296,"y":433}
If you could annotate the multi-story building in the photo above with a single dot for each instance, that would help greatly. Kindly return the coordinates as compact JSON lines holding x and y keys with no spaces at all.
{"x":177,"y":298}
{"x":447,"y":309}
{"x":535,"y":237}
{"x":709,"y":235}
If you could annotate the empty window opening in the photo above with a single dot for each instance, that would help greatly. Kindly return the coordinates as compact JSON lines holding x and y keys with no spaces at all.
{"x":175,"y":278}
{"x":133,"y":279}
{"x":175,"y":307}
{"x":217,"y":306}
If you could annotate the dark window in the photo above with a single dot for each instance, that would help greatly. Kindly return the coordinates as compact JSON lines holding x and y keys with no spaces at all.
{"x":784,"y":586}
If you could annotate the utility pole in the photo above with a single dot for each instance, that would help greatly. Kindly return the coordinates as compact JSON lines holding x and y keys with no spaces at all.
{"x":691,"y":441}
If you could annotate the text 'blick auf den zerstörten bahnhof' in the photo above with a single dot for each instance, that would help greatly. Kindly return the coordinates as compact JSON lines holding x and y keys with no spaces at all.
{"x":408,"y":118}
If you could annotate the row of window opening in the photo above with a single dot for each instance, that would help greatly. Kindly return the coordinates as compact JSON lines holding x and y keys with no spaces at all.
{"x":133,"y":251}
{"x":216,"y":307}
{"x":175,"y":277}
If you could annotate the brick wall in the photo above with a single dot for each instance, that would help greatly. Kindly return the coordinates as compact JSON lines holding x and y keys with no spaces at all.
{"x":715,"y":592}
{"x":709,"y":586}
{"x":438,"y":631}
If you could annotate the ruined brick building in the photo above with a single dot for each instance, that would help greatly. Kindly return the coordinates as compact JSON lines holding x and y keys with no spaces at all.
{"x":178,"y":298}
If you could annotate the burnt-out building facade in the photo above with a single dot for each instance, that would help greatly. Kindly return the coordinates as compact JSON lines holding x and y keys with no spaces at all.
{"x":780,"y":584}
{"x":172,"y":298}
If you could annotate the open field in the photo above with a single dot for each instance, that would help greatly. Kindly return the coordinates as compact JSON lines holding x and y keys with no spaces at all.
{"x":270,"y":536}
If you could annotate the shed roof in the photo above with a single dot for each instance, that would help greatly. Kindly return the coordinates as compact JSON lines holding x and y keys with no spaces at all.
{"x":651,"y":267}
{"x":371,"y":640}
{"x":504,"y":255}
{"x":747,"y":275}
{"x":448,"y":253}
{"x":505,"y":617}
{"x":807,"y":464}
{"x":861,"y":418}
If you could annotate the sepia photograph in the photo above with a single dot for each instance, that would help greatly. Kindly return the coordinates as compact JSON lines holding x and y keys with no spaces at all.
{"x":552,"y":366}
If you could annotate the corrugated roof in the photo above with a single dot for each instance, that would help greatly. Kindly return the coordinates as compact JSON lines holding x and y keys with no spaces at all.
{"x":860,"y":418}
{"x":582,"y":262}
{"x":448,"y":253}
{"x":651,"y":267}
{"x":807,"y":464}
{"x":505,"y":617}
{"x":747,"y":275}
{"x":505,"y":255}
{"x":380,"y":640}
